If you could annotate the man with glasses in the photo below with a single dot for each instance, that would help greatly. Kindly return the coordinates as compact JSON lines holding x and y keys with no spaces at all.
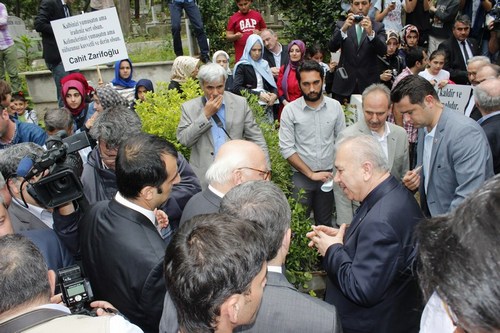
{"x":207,"y":122}
{"x":309,"y":127}
{"x":237,"y":162}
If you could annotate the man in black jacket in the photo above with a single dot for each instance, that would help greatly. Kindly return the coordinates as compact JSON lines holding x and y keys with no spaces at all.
{"x":51,"y":10}
{"x":122,"y":248}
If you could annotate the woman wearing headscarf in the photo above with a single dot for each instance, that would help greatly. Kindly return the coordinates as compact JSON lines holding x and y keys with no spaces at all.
{"x":141,"y":88}
{"x":409,"y":36}
{"x":222,"y":58}
{"x":76,"y":94}
{"x":183,"y":68}
{"x":106,"y":98}
{"x":123,"y":81}
{"x":288,"y":86}
{"x":252,"y":73}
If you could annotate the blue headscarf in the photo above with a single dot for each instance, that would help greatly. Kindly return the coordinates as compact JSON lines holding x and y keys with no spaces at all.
{"x":118,"y":81}
{"x":261,"y":66}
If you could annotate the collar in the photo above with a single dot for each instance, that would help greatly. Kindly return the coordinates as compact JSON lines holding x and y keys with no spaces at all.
{"x":146,"y":212}
{"x":58,"y":307}
{"x":306,"y":107}
{"x":275,"y":269}
{"x":279,"y":52}
{"x":488,"y":116}
{"x":216,"y":192}
{"x":387,"y":131}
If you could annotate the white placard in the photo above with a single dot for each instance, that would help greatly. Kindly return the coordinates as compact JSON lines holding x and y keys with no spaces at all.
{"x":90,"y":39}
{"x":455,"y":96}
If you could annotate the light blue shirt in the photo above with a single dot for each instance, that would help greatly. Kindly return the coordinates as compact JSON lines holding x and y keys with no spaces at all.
{"x":218,"y":134}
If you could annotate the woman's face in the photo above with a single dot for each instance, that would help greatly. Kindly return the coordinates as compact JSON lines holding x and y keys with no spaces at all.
{"x":294,"y":53}
{"x":97,"y":103}
{"x":256,"y":51}
{"x":318,"y":57}
{"x":392,"y":46}
{"x":412,"y":39}
{"x":222,"y":60}
{"x":436,"y":64}
{"x":73,"y":98}
{"x":125,"y":69}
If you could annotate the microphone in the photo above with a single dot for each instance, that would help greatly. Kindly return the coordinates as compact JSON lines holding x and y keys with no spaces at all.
{"x":25,"y":168}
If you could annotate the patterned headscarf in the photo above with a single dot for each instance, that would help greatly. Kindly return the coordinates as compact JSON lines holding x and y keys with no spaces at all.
{"x":292,"y":64}
{"x":405,"y":32}
{"x":119,"y":81}
{"x":261,"y":66}
{"x":183,"y":68}
{"x":110,"y":98}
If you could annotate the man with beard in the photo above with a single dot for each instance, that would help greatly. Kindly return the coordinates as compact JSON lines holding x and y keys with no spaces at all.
{"x":308,"y":130}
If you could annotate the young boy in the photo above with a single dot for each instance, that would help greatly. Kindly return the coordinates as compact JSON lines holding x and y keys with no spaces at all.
{"x":242,"y":24}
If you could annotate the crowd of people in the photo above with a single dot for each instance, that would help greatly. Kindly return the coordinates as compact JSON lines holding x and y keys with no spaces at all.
{"x":404,"y":201}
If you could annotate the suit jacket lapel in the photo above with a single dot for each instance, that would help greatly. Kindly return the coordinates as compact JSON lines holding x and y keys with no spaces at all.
{"x":229,"y":109}
{"x":438,"y":136}
{"x":391,"y":148}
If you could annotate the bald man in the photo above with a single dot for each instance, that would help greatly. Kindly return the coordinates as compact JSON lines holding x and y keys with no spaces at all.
{"x":487,"y":96}
{"x":237,"y":161}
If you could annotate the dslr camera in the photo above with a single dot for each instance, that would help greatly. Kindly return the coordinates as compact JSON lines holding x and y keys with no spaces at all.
{"x":76,"y":291}
{"x":358,"y":18}
{"x":61,"y":159}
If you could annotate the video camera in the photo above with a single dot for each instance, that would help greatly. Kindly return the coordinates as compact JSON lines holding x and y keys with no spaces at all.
{"x":62,"y":183}
{"x":76,"y":291}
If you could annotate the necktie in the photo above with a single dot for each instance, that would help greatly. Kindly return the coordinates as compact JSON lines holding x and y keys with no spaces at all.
{"x":66,"y":10}
{"x":466,"y":54}
{"x":359,"y":32}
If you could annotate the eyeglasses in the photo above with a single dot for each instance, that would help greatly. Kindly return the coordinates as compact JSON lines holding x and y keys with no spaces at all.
{"x":267,"y":174}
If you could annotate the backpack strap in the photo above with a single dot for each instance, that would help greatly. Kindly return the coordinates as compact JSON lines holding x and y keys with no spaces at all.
{"x":30,"y":319}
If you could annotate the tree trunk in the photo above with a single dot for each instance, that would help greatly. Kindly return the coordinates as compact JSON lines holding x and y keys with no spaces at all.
{"x":123,"y":9}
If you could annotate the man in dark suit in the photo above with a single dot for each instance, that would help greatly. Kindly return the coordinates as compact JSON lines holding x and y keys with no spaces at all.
{"x":459,"y":49}
{"x":122,"y":248}
{"x":370,"y":265}
{"x":361,"y":40}
{"x":274,"y":53}
{"x":487,"y":96}
{"x":238,"y":161}
{"x":51,"y":10}
{"x":283,"y":307}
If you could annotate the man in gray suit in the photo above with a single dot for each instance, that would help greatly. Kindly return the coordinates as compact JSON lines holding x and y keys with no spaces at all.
{"x":283,"y":307}
{"x":238,"y":161}
{"x":218,"y":116}
{"x":376,"y":101}
{"x":453,"y":154}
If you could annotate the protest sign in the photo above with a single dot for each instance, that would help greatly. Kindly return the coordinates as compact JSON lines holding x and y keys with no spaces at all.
{"x":90,"y":39}
{"x":455,"y":96}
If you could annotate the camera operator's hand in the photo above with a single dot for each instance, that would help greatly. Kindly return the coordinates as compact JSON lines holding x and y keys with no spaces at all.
{"x":349,"y":21}
{"x":366,"y":23}
{"x":386,"y":75}
{"x":56,"y":299}
{"x":103,"y":308}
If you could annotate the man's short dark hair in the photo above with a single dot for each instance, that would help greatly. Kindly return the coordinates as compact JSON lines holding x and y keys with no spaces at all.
{"x":415,"y":87}
{"x":23,"y":273}
{"x":139,"y":163}
{"x":57,"y":120}
{"x":4,"y":90}
{"x":459,"y":258}
{"x":264,"y":203}
{"x":464,"y":19}
{"x":414,"y":54}
{"x":211,"y":258}
{"x":309,"y":66}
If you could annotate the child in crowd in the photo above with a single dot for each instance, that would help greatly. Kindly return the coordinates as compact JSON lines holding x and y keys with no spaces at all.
{"x":242,"y":24}
{"x":76,"y":94}
{"x":435,"y":73}
{"x":123,"y":81}
{"x":409,"y":38}
{"x":20,"y":109}
{"x":141,"y":88}
{"x":316,"y":53}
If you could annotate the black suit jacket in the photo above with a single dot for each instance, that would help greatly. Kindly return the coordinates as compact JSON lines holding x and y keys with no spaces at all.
{"x":455,"y":63}
{"x":491,"y":127}
{"x":49,"y":10}
{"x":123,"y":257}
{"x":369,"y":276}
{"x":268,"y":55}
{"x":245,"y":79}
{"x":360,"y":61}
{"x":204,"y":202}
